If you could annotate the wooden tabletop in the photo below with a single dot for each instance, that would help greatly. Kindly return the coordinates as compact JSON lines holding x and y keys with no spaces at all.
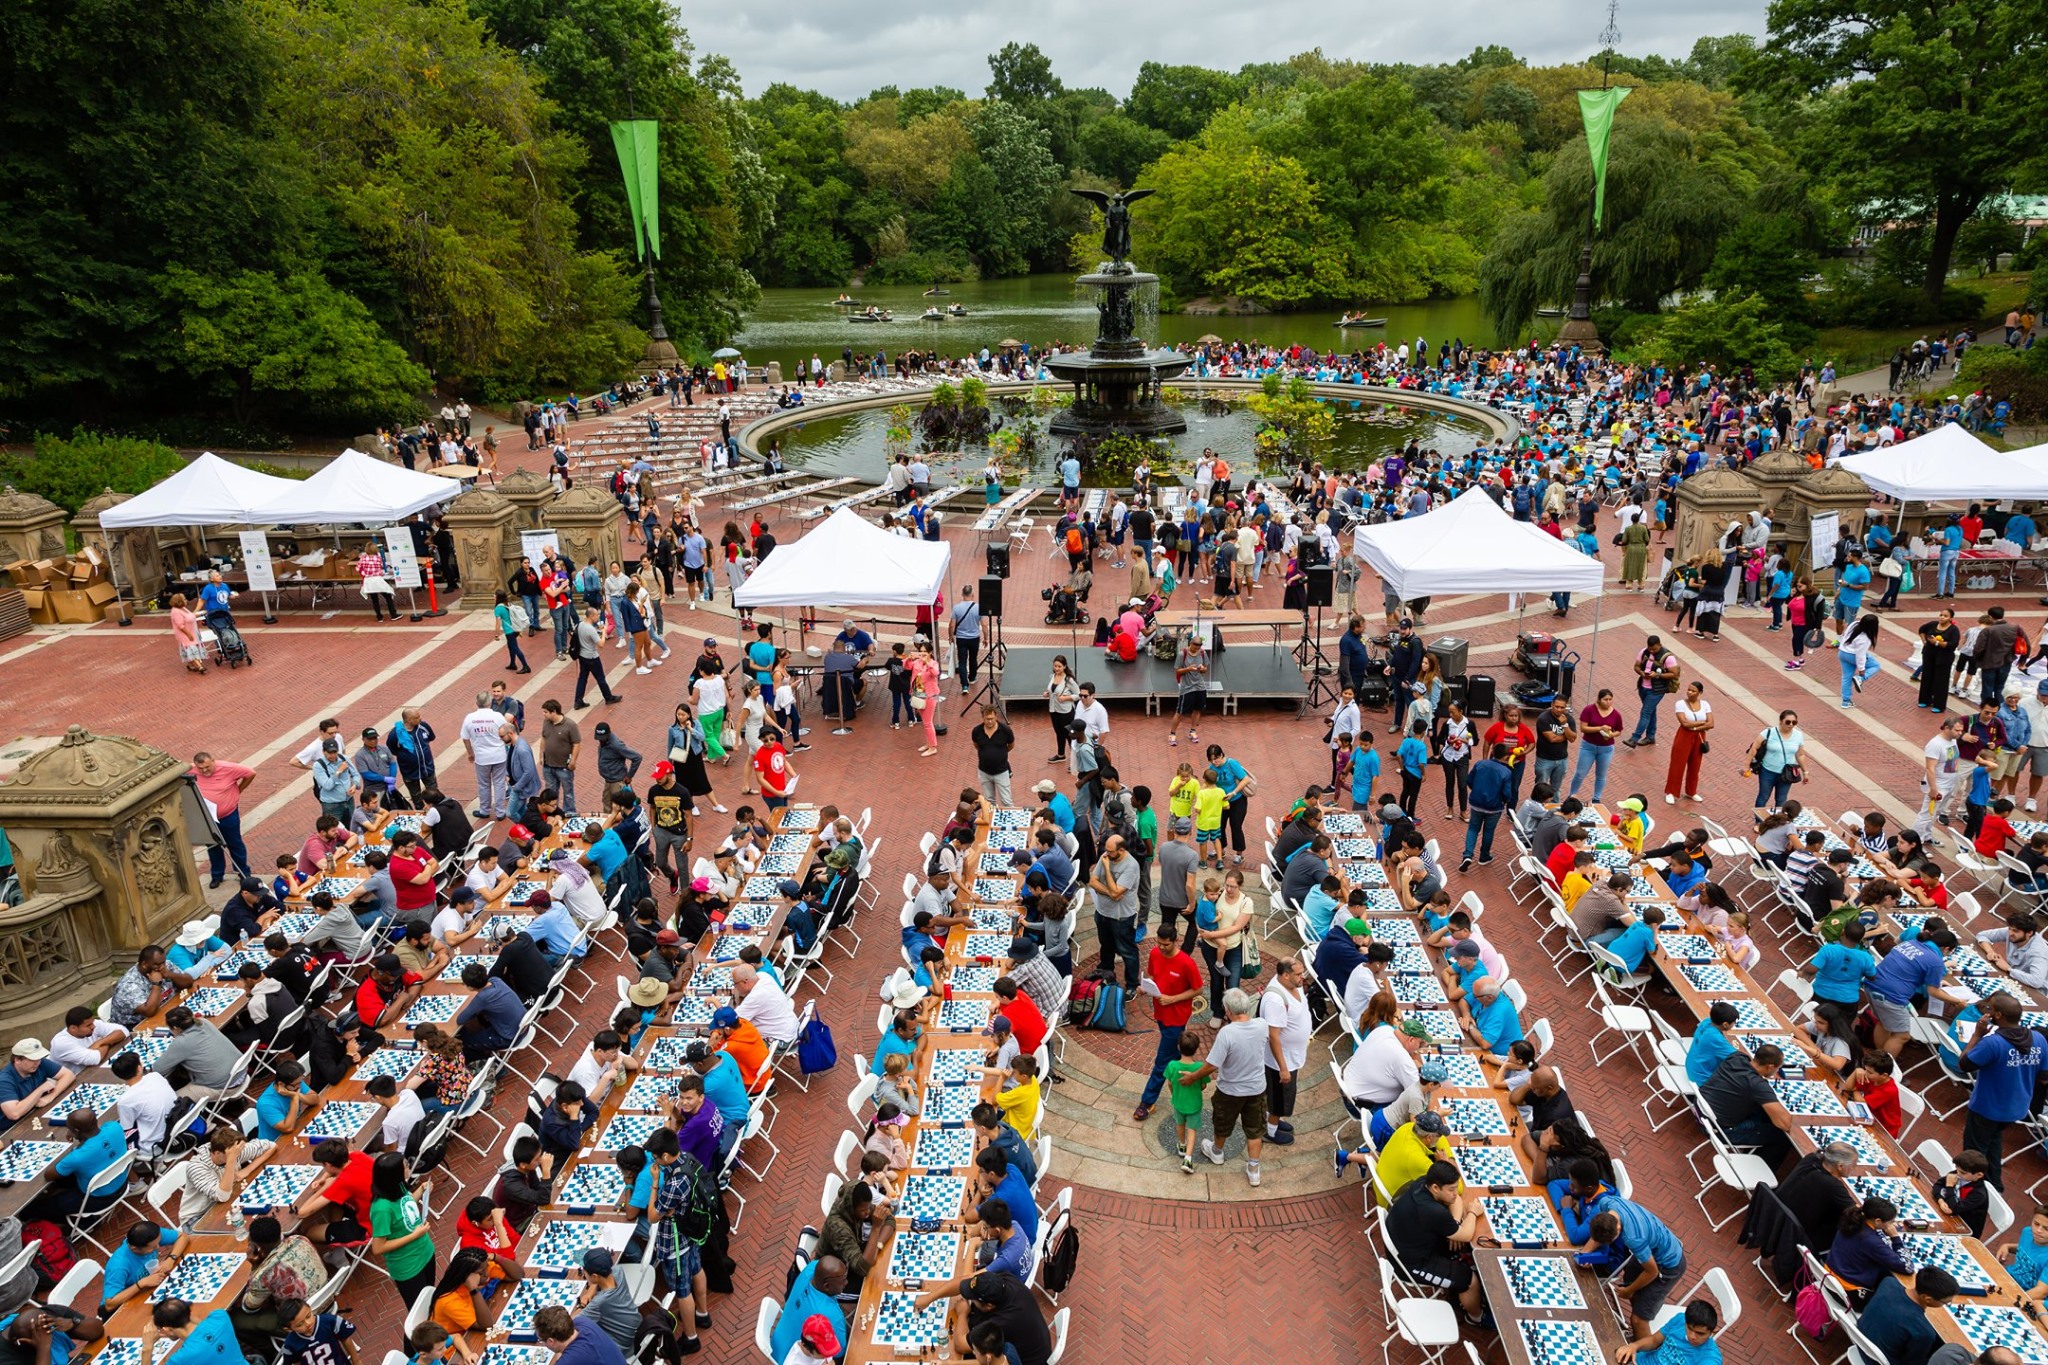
{"x":1568,"y":1295}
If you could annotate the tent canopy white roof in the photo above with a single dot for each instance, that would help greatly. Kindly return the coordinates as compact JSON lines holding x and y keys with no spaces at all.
{"x":1948,"y":462}
{"x":1471,"y":545}
{"x":209,"y":491}
{"x":2032,"y":457}
{"x":357,"y":488}
{"x":848,"y":561}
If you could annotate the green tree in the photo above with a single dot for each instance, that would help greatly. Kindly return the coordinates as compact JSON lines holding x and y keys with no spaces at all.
{"x":1119,"y":148}
{"x":1243,"y":223}
{"x":1764,"y":255}
{"x":1728,"y":334}
{"x":1929,"y":108}
{"x":71,"y":472}
{"x":1021,"y":74}
{"x":1180,"y":100}
{"x":802,"y":143}
{"x":1005,"y":137}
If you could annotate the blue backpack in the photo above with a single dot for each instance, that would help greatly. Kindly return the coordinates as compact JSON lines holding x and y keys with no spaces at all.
{"x":1108,"y":1014}
{"x":815,"y":1050}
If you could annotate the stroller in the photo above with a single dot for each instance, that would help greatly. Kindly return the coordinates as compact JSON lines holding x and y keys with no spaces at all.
{"x":228,"y":645}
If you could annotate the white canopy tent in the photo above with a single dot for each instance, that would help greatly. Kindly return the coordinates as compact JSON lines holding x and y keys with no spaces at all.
{"x":354,"y":487}
{"x":1949,"y":463}
{"x":209,"y":491}
{"x":2034,"y":458}
{"x":849,"y":561}
{"x":1471,"y":545}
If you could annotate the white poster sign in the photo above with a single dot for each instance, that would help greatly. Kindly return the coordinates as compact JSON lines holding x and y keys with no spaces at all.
{"x":256,"y":560}
{"x":1827,"y":530}
{"x":538,"y":545}
{"x":401,"y":565}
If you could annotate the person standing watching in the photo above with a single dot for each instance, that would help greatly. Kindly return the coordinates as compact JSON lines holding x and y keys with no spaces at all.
{"x":1114,"y":884}
{"x":966,"y":616}
{"x":590,"y":659}
{"x":486,"y":750}
{"x":222,"y":784}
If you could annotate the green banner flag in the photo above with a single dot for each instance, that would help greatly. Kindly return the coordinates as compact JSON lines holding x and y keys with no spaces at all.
{"x":1597,"y":108}
{"x":639,"y":162}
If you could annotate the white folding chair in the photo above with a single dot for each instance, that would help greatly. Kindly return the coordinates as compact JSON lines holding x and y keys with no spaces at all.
{"x":834,"y":1182}
{"x":82,"y":1273}
{"x":863,"y":1091}
{"x":764,"y":1329}
{"x":1059,"y":1336}
{"x":1631,"y":1022}
{"x":848,"y":1144}
{"x":1428,"y":1324}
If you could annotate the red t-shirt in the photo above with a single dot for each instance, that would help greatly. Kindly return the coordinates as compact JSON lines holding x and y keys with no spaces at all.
{"x":1992,"y":834}
{"x":1124,"y":646}
{"x":412,"y":895}
{"x":1560,"y":861}
{"x":352,"y":1186}
{"x":771,"y":761}
{"x":1883,"y":1099}
{"x":1172,"y":978}
{"x":1521,"y":739}
{"x":370,"y":999}
{"x":1025,"y":1021}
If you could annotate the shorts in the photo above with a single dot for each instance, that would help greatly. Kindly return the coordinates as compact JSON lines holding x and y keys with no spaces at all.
{"x":1228,"y":1111}
{"x":1185,"y":824}
{"x":2037,"y":760}
{"x":1895,"y":1018}
{"x":1648,"y":1301}
{"x":1209,"y":836}
{"x":2009,"y":761}
{"x":1191,"y":703}
{"x":682,"y":1263}
{"x":691,"y":575}
{"x":1445,"y":1272}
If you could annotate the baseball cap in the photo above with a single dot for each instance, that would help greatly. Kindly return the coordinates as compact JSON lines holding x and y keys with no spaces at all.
{"x":668,"y":936}
{"x":462,"y":895}
{"x":711,"y":642}
{"x":387,"y":962}
{"x":252,"y":883}
{"x":597,"y":1261}
{"x":789,"y":889}
{"x":1044,"y":787}
{"x":1432,"y":1124}
{"x":696,"y":1050}
{"x":664,"y":769}
{"x":1632,"y":804}
{"x":700,"y":885}
{"x":725,"y":1016}
{"x":1433,"y":1071}
{"x":30,"y":1050}
{"x":819,"y":1336}
{"x":1357,"y":928}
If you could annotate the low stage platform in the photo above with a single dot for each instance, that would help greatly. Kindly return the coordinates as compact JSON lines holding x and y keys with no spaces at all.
{"x":1258,"y":672}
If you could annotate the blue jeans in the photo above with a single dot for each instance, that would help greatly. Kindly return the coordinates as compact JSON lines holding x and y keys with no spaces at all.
{"x":1598,"y":757}
{"x":532,"y":611}
{"x":1551,"y":771}
{"x":1772,"y":788}
{"x":1849,"y":673}
{"x":1169,"y":1051}
{"x":1479,"y":830}
{"x":1945,"y":582}
{"x":563,"y":780}
{"x":565,"y":628}
{"x":1646,"y":723}
{"x":229,"y":847}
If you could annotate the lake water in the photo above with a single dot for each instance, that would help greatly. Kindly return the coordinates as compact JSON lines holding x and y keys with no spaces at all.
{"x":793,"y":324}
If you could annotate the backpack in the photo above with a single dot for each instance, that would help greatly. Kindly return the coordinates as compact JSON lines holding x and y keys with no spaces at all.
{"x":1056,"y":1272}
{"x":1075,"y":544}
{"x":1108,"y":1015}
{"x":1081,"y":1007}
{"x":1810,"y":1310}
{"x":815,"y":1050}
{"x":695,"y":1218}
{"x":54,"y":1259}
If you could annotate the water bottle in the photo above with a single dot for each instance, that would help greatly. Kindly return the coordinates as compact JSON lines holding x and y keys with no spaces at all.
{"x":238,"y":1223}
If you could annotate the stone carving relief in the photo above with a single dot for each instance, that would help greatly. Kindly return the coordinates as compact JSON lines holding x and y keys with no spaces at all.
{"x":156,"y":860}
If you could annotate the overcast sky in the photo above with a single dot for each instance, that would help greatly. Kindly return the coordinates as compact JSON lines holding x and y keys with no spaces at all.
{"x":846,"y":50}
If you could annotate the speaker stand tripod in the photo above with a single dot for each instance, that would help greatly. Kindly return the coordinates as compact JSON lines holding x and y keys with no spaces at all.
{"x":1322,"y":689}
{"x":989,"y":691}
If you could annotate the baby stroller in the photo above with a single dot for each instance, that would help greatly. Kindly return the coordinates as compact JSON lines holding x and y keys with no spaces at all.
{"x":228,"y":645}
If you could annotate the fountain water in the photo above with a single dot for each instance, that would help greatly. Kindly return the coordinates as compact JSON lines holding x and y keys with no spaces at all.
{"x":1117,"y":382}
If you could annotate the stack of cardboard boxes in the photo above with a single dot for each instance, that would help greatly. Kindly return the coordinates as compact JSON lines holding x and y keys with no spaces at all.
{"x":65,"y":590}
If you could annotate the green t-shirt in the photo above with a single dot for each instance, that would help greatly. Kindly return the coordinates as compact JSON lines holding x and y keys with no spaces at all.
{"x":1148,"y":827}
{"x":1187,"y":1099}
{"x":391,"y":1218}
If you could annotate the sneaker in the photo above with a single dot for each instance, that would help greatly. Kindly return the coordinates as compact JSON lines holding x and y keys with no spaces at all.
{"x":1187,"y":1164}
{"x":643,"y":669}
{"x":799,"y":748}
{"x":1465,"y":866}
{"x":1209,"y":1150}
{"x":720,"y":809}
{"x":2030,"y":803}
{"x":1343,"y":1159}
{"x":1669,"y":799}
{"x":1486,"y":860}
{"x":1283,"y":1124}
{"x":1251,"y":1173}
{"x":1797,"y":663}
{"x":1280,"y":1137}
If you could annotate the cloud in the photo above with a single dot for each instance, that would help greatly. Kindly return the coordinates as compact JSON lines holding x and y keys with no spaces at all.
{"x":848,"y":50}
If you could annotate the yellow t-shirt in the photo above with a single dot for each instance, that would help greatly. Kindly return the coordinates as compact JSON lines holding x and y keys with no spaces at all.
{"x":1020,"y":1107}
{"x":1404,"y":1159}
{"x":1180,"y":797}
{"x":1209,"y":804}
{"x":1575,"y":884}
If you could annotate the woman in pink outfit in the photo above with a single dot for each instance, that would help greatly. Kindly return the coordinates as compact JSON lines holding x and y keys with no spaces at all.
{"x":924,"y":682}
{"x":185,"y":630}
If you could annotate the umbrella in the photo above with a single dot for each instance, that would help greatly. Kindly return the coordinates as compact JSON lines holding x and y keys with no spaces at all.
{"x":1010,"y":342}
{"x":725,"y":353}
{"x":1208,"y":339}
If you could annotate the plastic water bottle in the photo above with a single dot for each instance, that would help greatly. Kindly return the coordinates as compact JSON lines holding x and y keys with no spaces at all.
{"x":238,"y":1223}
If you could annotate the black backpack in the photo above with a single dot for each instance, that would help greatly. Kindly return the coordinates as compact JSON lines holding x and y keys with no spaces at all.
{"x":1060,"y":1258}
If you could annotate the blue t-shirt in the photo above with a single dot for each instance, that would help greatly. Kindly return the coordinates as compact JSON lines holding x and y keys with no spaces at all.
{"x":273,"y":1107}
{"x":15,"y":1086}
{"x":607,"y":854}
{"x":1849,"y":586}
{"x":1647,"y":1238}
{"x":1839,"y":972}
{"x":1015,"y":1191}
{"x":726,"y":1090}
{"x":94,"y":1155}
{"x":2004,"y":1092}
{"x":1365,"y":771}
{"x":1319,"y":908}
{"x":1062,"y":812}
{"x":1230,"y":774}
{"x":210,"y":1342}
{"x":127,"y":1265}
{"x":1709,"y":1047}
{"x":1634,"y":944}
{"x":891,"y":1042}
{"x":185,"y":959}
{"x":1676,"y":1350}
{"x":1908,"y":969}
{"x":2028,"y":1259}
{"x":1414,"y":756}
{"x":761,"y":654}
{"x":1497,"y":1023}
{"x":1980,"y":786}
{"x":1682,"y":882}
{"x":643,"y":1187}
{"x":805,"y":1300}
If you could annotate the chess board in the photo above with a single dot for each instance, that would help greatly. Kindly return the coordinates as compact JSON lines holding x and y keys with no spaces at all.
{"x":1350,"y":849}
{"x":780,"y":864}
{"x":1689,"y":947}
{"x":1809,"y":1097}
{"x":711,"y":981}
{"x":27,"y":1160}
{"x":1867,"y":1149}
{"x":1442,"y":1024}
{"x":275,"y":1186}
{"x":128,"y":1351}
{"x":522,"y":891}
{"x":993,"y":918}
{"x":146,"y":1048}
{"x":1417,"y":990}
{"x":1613,"y":859}
{"x":1910,"y":920}
{"x":749,"y":915}
{"x":498,"y":928}
{"x":1711,"y":977}
{"x":1930,"y":1248}
{"x":498,"y":1353}
{"x":647,"y":1093}
{"x":559,"y":1248}
{"x":1475,"y":1118}
{"x":1006,"y":841}
{"x":1968,"y":962}
{"x":972,"y":978}
{"x":1863,"y":870}
{"x":529,"y":1297}
{"x":1396,"y":933}
{"x":1343,"y":824}
{"x":341,"y":888}
{"x":295,"y":927}
{"x":919,"y":1256}
{"x":993,"y":865}
{"x":1367,"y":875}
{"x":790,"y":843}
{"x":1488,"y":1166}
{"x":666,"y":1054}
{"x":694,"y":1011}
{"x":342,"y":1119}
{"x":956,"y":1066}
{"x":1383,"y":902}
{"x":1984,"y":987}
{"x":1785,"y":1042}
{"x":1010,"y":817}
{"x":1905,"y":1196}
{"x":951,"y":1103}
{"x":1987,"y":1326}
{"x":627,"y":1130}
{"x":932,"y":1196}
{"x":1560,"y":1341}
{"x":98,"y":1098}
{"x":1542,"y":1282}
{"x":961,"y":1016}
{"x":576,"y":824}
{"x":900,"y":1325}
{"x":199,"y":1278}
{"x":1410,"y":959}
{"x":994,"y":890}
{"x":1641,"y":888}
{"x":728,"y":947}
{"x":2034,"y":1019}
{"x":1520,"y":1218}
{"x":409,"y":823}
{"x":1462,"y":1070}
{"x":1750,"y":1013}
{"x":987,"y":945}
{"x":456,"y":966}
{"x":231,"y":965}
{"x":760,"y":888}
{"x":395,"y":1062}
{"x":433,"y":1009}
{"x":942,"y":1148}
{"x":591,"y":1185}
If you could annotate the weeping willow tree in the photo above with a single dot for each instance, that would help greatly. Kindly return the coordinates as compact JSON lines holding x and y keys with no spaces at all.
{"x":1671,"y":196}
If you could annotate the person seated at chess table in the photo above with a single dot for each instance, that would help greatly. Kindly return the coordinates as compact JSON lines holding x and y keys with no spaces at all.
{"x":323,"y":850}
{"x":731,"y":1034}
{"x":1430,"y":1225}
{"x":386,"y":993}
{"x":1896,"y":1322}
{"x":487,"y":884}
{"x":310,"y":1337}
{"x":604,"y":1064}
{"x":929,"y":923}
{"x":524,"y":1188}
{"x":1576,"y":1197}
{"x":993,"y":1177}
{"x":249,"y":913}
{"x":1414,"y":878}
{"x":1964,"y":1192}
{"x":293,"y":968}
{"x":339,"y":1197}
{"x":213,"y":1175}
{"x":283,"y":1270}
{"x":563,"y":1125}
{"x":195,"y":947}
{"x":1655,"y":1258}
{"x":336,"y":928}
{"x":1695,"y":1346}
{"x":32,"y":1080}
{"x":287,"y":1103}
{"x":1868,"y":1247}
{"x":853,"y":1234}
{"x":85,"y":1040}
{"x":482,"y":1225}
{"x":1413,"y":1148}
{"x":419,"y":956}
{"x":48,"y":1334}
{"x":369,"y":816}
{"x":198,"y":1053}
{"x":403,"y":1112}
{"x":332,"y":1047}
{"x":554,"y":930}
{"x":1488,"y":1020}
{"x":268,"y":1005}
{"x":1542,"y":1101}
{"x":138,"y":1265}
{"x":459,"y":1303}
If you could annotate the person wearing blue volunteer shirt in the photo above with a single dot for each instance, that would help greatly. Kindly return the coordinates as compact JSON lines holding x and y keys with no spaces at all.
{"x":1319,"y":906}
{"x":1840,"y":968}
{"x":1656,"y":1258}
{"x":724,"y":1087}
{"x":904,"y":1032}
{"x":2019,"y":529}
{"x":67,"y":1329}
{"x":1912,"y":967}
{"x":813,"y":1293}
{"x":1491,"y":1019}
{"x":2006,"y":1058}
{"x":994,"y":1174}
{"x":1686,"y":1340}
{"x":132,"y":1268}
{"x":1951,"y":542}
{"x":195,"y":943}
{"x":96,"y":1146}
{"x":203,"y":1339}
{"x":1638,"y":938}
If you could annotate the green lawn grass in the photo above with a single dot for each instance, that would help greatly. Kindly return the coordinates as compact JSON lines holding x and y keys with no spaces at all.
{"x":1856,"y":349}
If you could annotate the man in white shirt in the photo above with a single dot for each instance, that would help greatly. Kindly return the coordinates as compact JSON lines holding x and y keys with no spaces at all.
{"x":1383,"y":1065}
{"x":1283,"y":1009}
{"x":602,"y":1065}
{"x":402,"y":1110}
{"x":762,"y":1003}
{"x":85,"y":1040}
{"x":2016,"y":946}
{"x":145,"y":1105}
{"x":486,"y":750}
{"x":304,"y":758}
{"x":1092,"y":713}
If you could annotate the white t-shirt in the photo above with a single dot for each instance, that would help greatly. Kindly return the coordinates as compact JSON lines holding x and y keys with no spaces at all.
{"x":1286,"y":1012}
{"x":1095,"y":715}
{"x":1695,"y":714}
{"x":1358,"y":992}
{"x":66,"y":1050}
{"x":710,"y":694}
{"x":586,"y":1073}
{"x":481,"y":879}
{"x":450,"y":920}
{"x":305,"y":756}
{"x":480,"y":728}
{"x":143,"y":1107}
{"x":770,"y":1011}
{"x":1380,"y":1067}
{"x":1942,"y":750}
{"x":401,"y":1118}
{"x":585,"y":903}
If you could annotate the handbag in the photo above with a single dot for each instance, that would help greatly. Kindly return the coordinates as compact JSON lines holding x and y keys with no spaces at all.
{"x":1891,"y":568}
{"x":1794,"y":772}
{"x":917,"y":701}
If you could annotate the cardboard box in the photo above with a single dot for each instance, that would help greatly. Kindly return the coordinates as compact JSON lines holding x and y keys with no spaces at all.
{"x":22,"y":573}
{"x":38,"y":599}
{"x":116,"y":611}
{"x":82,"y":574}
{"x":101,"y":594}
{"x":72,"y":608}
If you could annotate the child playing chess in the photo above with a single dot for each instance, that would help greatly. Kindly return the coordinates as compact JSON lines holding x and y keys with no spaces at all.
{"x":1184,"y":1084}
{"x":2027,"y":1257}
{"x":818,"y":1344}
{"x":428,"y":1344}
{"x":313,"y":1336}
{"x":1872,"y":1083}
{"x":885,"y":1137}
{"x":1735,"y":937}
{"x":896,"y":1087}
{"x":1018,"y":1095}
{"x":1697,"y":1346}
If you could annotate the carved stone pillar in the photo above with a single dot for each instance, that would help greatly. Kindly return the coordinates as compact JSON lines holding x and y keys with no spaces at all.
{"x":587,"y":523}
{"x":1826,"y":490}
{"x":1706,"y":504}
{"x":1774,"y":476}
{"x":134,"y":557}
{"x":529,"y":493}
{"x":99,"y":831}
{"x":486,"y":544}
{"x":31,"y":527}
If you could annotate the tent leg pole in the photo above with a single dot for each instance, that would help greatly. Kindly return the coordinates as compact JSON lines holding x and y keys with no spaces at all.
{"x":269,"y":611}
{"x":1593,"y":648}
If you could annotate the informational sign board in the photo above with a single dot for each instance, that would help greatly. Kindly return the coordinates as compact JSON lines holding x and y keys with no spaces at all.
{"x":401,"y":565}
{"x":256,"y":560}
{"x":538,"y":545}
{"x":1827,"y":531}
